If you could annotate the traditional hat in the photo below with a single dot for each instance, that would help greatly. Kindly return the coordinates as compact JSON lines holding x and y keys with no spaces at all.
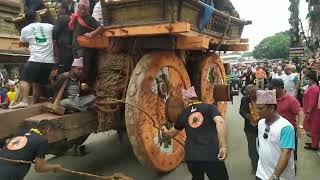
{"x":189,"y":93}
{"x":266,"y":97}
{"x":11,"y":83}
{"x":78,"y":62}
{"x":84,"y":2}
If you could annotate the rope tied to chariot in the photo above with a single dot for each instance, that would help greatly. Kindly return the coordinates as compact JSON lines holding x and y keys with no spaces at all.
{"x":112,"y":100}
{"x":116,"y":176}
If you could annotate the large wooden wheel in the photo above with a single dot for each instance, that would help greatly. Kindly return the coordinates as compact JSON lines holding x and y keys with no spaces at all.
{"x":156,"y":77}
{"x":208,"y":71}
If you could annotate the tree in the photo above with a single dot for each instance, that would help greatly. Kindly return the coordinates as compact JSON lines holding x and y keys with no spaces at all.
{"x":273,"y":47}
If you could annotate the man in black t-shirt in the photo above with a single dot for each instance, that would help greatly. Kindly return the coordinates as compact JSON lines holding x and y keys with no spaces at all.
{"x":63,"y":36}
{"x":29,"y":145}
{"x":206,"y":143}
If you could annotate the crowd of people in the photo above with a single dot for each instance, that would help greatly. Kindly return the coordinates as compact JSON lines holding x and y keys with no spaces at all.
{"x":261,"y":74}
{"x":293,"y":112}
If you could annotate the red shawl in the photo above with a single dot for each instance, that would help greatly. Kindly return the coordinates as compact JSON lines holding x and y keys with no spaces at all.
{"x":76,"y":17}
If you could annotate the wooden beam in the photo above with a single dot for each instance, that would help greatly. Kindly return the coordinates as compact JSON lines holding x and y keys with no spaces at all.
{"x":70,"y":126}
{"x":193,"y":43}
{"x":233,"y":47}
{"x":98,"y":42}
{"x":213,"y":40}
{"x":148,"y":30}
{"x":11,"y":43}
{"x":12,"y":119}
{"x":244,"y":40}
{"x":187,"y":39}
{"x":6,"y":58}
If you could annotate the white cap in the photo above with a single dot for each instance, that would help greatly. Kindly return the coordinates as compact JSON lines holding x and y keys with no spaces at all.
{"x":11,"y":83}
{"x":78,"y":62}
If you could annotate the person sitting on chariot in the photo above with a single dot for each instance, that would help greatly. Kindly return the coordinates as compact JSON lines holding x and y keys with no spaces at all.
{"x":82,"y":23}
{"x":72,"y":98}
{"x":30,"y":5}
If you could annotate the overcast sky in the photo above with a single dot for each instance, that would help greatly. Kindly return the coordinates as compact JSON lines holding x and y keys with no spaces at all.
{"x":268,"y":17}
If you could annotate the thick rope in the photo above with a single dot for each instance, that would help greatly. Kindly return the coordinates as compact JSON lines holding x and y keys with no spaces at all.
{"x":113,"y":177}
{"x":153,"y":121}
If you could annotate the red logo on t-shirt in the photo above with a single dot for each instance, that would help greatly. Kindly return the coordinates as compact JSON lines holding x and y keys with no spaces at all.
{"x":195,"y":120}
{"x":17,"y":143}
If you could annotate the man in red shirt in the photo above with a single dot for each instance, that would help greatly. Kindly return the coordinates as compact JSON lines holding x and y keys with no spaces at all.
{"x":289,"y":108}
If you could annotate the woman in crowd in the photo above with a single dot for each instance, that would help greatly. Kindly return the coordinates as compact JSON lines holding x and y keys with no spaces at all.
{"x":311,"y":110}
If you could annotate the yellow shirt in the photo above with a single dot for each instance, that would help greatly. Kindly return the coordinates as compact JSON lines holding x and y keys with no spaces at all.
{"x":11,"y":95}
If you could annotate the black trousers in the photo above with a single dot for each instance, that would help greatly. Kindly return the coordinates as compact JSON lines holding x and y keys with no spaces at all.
{"x":65,"y":58}
{"x":295,"y":152}
{"x":252,"y":149}
{"x":214,"y":170}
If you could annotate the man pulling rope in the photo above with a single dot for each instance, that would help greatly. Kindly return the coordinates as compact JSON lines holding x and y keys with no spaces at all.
{"x":31,"y":146}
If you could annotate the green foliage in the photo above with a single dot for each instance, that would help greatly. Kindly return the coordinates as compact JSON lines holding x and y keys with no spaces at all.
{"x":312,"y":15}
{"x":273,"y":47}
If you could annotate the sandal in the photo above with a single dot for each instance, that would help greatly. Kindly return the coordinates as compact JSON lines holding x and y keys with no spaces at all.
{"x":311,"y":148}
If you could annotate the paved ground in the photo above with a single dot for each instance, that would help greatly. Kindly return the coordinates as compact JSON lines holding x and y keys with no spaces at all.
{"x":109,"y":155}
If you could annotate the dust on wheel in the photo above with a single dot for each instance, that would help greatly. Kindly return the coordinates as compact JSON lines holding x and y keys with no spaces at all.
{"x":208,"y":71}
{"x":157,"y":77}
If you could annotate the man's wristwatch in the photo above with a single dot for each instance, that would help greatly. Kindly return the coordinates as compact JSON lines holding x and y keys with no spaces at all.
{"x":275,"y":177}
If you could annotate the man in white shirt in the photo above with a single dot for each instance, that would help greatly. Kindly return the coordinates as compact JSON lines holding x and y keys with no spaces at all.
{"x":276,"y":73}
{"x":97,"y":13}
{"x":291,"y":80}
{"x":276,"y":140}
{"x":38,"y":36}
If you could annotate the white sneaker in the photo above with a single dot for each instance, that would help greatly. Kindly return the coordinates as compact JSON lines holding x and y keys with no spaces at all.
{"x":19,"y":105}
